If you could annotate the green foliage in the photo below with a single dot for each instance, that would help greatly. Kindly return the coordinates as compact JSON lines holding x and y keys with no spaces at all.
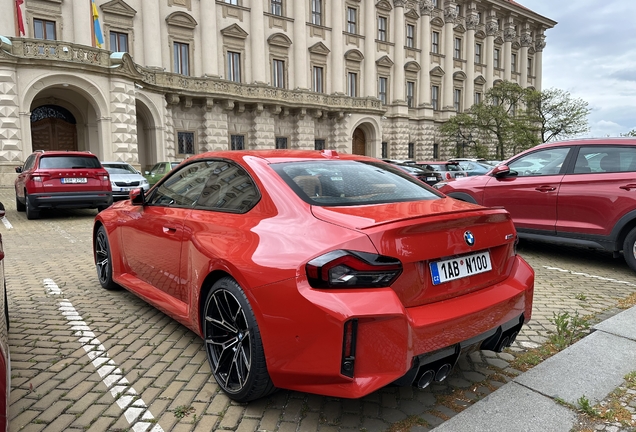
{"x":558,"y":114}
{"x":586,"y":406}
{"x":631,"y":133}
{"x":182,"y":411}
{"x":569,"y":329}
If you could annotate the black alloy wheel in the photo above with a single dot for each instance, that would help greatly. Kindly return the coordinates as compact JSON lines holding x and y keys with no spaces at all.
{"x":18,"y":205}
{"x":31,"y":213}
{"x":233,"y":343}
{"x":629,"y":249}
{"x":103,"y":262}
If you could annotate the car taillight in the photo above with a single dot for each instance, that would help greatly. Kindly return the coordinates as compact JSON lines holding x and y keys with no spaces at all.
{"x":352,"y":269}
{"x":37,"y":179}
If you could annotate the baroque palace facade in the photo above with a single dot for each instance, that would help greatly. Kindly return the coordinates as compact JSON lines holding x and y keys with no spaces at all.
{"x":144,"y":81}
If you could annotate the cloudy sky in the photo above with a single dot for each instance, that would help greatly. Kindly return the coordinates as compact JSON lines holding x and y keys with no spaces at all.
{"x":592,"y":54}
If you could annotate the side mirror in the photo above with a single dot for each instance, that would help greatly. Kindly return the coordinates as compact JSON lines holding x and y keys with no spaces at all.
{"x":147,"y":172}
{"x":18,"y":169}
{"x":500,"y":171}
{"x":137,"y":197}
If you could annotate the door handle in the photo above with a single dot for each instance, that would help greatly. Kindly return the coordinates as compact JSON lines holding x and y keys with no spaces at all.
{"x":628,"y":187}
{"x":545,"y":188}
{"x":169,"y":230}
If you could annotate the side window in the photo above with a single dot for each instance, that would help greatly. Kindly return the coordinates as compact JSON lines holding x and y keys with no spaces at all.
{"x":29,"y":163}
{"x":540,"y":163}
{"x":229,"y":188}
{"x":182,"y":188}
{"x":606,"y":159}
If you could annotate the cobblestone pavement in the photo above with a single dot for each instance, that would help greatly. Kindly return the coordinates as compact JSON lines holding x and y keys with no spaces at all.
{"x":154,"y":374}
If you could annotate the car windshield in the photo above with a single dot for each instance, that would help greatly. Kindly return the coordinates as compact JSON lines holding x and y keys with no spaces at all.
{"x":446,"y":167}
{"x":119,"y":169}
{"x":342,"y":183}
{"x":55,"y":162}
{"x":157,"y":169}
{"x":413,"y":169}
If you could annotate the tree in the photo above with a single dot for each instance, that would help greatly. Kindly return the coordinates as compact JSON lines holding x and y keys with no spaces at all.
{"x":631,"y":133}
{"x":559,"y":114}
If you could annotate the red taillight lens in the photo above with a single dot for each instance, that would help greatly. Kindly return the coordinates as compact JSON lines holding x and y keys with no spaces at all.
{"x":351,"y":269}
{"x":448,"y":176}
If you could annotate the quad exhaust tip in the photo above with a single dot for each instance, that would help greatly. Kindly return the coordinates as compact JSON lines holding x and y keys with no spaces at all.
{"x":431,"y":375}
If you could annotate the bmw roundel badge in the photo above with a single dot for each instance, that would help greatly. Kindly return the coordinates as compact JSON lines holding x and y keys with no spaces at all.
{"x":470,"y":238}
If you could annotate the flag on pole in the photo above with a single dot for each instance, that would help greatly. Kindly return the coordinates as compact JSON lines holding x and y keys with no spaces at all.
{"x":99,"y":37}
{"x":18,"y":11}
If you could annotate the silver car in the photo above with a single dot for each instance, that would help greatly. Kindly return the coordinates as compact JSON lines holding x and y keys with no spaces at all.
{"x":124,"y":178}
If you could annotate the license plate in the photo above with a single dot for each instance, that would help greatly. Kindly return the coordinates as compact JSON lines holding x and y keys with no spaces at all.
{"x":431,"y":178}
{"x":74,"y":180}
{"x":457,"y":268}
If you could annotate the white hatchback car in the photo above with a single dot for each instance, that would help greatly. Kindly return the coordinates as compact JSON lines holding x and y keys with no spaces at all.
{"x":124,"y":178}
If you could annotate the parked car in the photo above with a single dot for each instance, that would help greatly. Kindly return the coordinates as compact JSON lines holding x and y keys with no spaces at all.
{"x":448,"y":169}
{"x":5,"y":357}
{"x":473,"y":167}
{"x":427,"y":176}
{"x":124,"y":178}
{"x":61,"y":179}
{"x":158,"y":171}
{"x":317,"y":272}
{"x":569,"y":192}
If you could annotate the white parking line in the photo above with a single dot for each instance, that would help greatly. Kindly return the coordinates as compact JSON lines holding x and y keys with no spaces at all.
{"x":136,"y":411}
{"x":6,"y":223}
{"x":589,"y":275}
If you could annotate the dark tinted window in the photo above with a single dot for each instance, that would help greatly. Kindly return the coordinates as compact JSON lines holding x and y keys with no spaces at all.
{"x":338,"y":183}
{"x":48,"y":162}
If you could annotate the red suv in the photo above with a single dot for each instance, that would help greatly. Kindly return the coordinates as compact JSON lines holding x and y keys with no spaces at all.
{"x":61,"y":179}
{"x":570,"y":192}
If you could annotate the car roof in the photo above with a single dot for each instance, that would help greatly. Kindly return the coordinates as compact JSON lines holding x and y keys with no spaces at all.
{"x":590,"y":141}
{"x":64,"y":153}
{"x":278,"y":156}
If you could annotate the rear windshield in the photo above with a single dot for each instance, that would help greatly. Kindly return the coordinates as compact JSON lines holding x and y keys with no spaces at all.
{"x":120,"y":169}
{"x":69,"y":162}
{"x":446,"y":167}
{"x":342,"y":183}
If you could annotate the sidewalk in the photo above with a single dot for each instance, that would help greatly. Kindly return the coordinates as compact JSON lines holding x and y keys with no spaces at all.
{"x":593,"y":367}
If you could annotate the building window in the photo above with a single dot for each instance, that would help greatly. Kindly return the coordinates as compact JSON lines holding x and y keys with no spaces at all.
{"x":529,"y":66}
{"x":352,"y":19}
{"x":478,"y":53}
{"x":281,"y":143}
{"x":319,"y":144}
{"x":435,"y":151}
{"x":237,"y":142}
{"x":232,"y":2}
{"x":410,"y":36}
{"x":181,"y":58}
{"x":457,"y":100}
{"x":458,"y":48}
{"x":383,"y":84}
{"x":234,"y":66}
{"x":316,"y":12}
{"x":44,"y":29}
{"x":435,"y":43}
{"x":435,"y":97}
{"x":382,"y":28}
{"x":436,"y":3}
{"x":276,"y":7}
{"x":496,"y":58}
{"x":352,"y":84}
{"x":118,"y":42}
{"x":513,"y":62}
{"x":411,"y":150}
{"x":477,"y":98}
{"x":458,"y":9}
{"x":410,"y":94}
{"x":317,"y":79}
{"x":185,"y":142}
{"x":385,"y":149}
{"x":278,"y":73}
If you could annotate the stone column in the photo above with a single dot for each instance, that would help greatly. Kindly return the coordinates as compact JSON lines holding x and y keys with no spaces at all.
{"x":170,"y":142}
{"x":151,"y":24}
{"x":160,"y":25}
{"x":301,"y":65}
{"x":399,"y":31}
{"x":538,"y":61}
{"x":82,"y":17}
{"x":209,"y":36}
{"x":426,"y":8}
{"x":13,"y":143}
{"x":337,"y":47}
{"x":304,"y":131}
{"x":370,"y":72}
{"x":124,"y":120}
{"x":492,"y":28}
{"x":260,"y":60}
{"x":450,"y":16}
{"x":509,"y":36}
{"x":526,"y":41}
{"x":469,"y":90}
{"x":263,"y":129}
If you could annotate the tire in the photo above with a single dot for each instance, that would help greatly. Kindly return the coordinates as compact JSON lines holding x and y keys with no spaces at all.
{"x":101,"y":208}
{"x":31,"y":213}
{"x":18,"y":205}
{"x":6,"y":305}
{"x":103,"y":261}
{"x":233,"y":343}
{"x":629,"y":249}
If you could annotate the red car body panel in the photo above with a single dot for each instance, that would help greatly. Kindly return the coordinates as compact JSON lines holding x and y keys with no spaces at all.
{"x":166,"y":256}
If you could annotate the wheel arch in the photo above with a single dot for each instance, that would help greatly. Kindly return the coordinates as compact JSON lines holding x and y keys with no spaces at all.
{"x":622,"y":228}
{"x":206,"y":287}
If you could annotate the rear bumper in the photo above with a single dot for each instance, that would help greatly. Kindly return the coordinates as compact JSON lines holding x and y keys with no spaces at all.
{"x":71,"y":200}
{"x":390,"y":340}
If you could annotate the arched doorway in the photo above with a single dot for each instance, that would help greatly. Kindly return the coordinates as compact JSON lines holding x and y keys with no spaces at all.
{"x":358,"y":143}
{"x":53,"y":128}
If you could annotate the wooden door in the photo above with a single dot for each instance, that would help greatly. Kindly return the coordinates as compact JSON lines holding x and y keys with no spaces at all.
{"x":358,"y":144}
{"x":53,"y":134}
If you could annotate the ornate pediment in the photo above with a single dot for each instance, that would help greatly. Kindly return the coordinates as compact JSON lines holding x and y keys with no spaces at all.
{"x":499,"y":40}
{"x":438,"y":22}
{"x":384,"y":5}
{"x":319,"y":48}
{"x":412,"y":66}
{"x":123,"y":62}
{"x":181,"y":19}
{"x":412,"y":14}
{"x":480,"y":34}
{"x":516,"y":46}
{"x":384,"y":61}
{"x":354,"y":55}
{"x":459,"y":76}
{"x":119,"y":7}
{"x":234,"y":31}
{"x":480,"y":80}
{"x":279,"y":39}
{"x":437,"y":71}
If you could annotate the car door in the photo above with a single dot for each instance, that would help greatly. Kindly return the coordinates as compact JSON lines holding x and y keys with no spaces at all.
{"x":530,"y":191}
{"x":600,"y":189}
{"x":25,"y":171}
{"x":153,"y":237}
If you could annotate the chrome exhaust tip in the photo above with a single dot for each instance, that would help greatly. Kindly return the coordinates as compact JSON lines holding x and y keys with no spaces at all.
{"x":443,"y":372}
{"x":426,"y":379}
